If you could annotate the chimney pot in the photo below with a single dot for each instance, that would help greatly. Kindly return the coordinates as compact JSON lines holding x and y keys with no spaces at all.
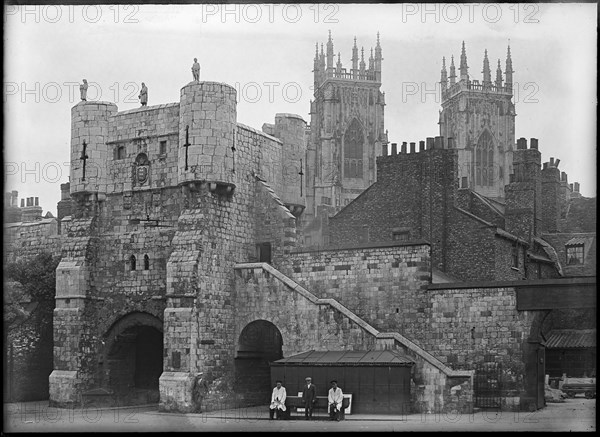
{"x":384,"y":149}
{"x":545,"y":165}
{"x":556,"y":163}
{"x":577,"y":187}
{"x":563,"y":176}
{"x":438,"y":143}
{"x":571,"y":187}
{"x":403,"y":148}
{"x":22,"y":203}
{"x":412,"y":147}
{"x":521,"y":143}
{"x":394,"y":148}
{"x":421,"y":145}
{"x":551,"y":162}
{"x":37,"y":201}
{"x":430,"y":142}
{"x":534,"y":143}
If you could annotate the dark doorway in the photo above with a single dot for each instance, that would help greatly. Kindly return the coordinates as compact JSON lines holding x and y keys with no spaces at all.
{"x":133,"y":361}
{"x":260,"y":343}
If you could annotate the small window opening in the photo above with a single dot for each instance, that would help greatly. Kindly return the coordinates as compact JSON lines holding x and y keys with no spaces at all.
{"x":132,"y":262}
{"x":146,"y":262}
{"x":163,"y":148}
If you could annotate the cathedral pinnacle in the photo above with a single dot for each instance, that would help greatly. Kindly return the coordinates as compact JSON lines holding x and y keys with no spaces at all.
{"x":487,"y":74}
{"x":508,"y":71}
{"x":444,"y":79}
{"x":464,"y":75}
{"x":499,"y":75}
{"x":452,"y":71}
{"x":362,"y":59}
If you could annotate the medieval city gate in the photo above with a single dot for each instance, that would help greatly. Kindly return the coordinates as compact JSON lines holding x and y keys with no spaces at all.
{"x":260,"y":343}
{"x":132,"y":360}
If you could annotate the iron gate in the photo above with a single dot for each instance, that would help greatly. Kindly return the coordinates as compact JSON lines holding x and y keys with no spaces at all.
{"x":487,"y":385}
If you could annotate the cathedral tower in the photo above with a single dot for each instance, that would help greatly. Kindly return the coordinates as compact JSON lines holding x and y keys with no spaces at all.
{"x":346,"y":128}
{"x":480,"y":118}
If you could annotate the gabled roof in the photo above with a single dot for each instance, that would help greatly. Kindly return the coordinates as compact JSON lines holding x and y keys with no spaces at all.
{"x":578,"y":240}
{"x":571,"y":338}
{"x":347,"y":358}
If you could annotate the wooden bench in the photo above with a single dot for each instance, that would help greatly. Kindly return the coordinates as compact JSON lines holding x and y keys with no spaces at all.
{"x":295,"y":402}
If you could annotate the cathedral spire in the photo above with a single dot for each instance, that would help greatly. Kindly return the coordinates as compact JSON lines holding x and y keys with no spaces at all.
{"x":378,"y":59}
{"x":339,"y":64}
{"x":487,"y":74}
{"x":508,"y":71}
{"x":499,"y":76}
{"x":464,"y":75}
{"x":354,"y":60}
{"x":329,"y":55}
{"x":362,"y":60}
{"x":371,"y":60}
{"x":444,"y":79}
{"x":452,"y":71}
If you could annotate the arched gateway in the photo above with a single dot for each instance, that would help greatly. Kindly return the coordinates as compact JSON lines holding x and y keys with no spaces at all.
{"x":259,"y":344}
{"x":132,"y":360}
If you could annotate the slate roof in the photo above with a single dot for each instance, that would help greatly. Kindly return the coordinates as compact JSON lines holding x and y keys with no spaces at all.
{"x":571,"y":338}
{"x":347,"y":358}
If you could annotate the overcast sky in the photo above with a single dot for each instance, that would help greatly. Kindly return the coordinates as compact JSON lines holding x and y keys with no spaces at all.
{"x":267,"y":51}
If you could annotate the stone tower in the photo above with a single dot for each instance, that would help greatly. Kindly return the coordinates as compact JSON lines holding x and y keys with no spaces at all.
{"x":480,"y":119}
{"x":346,"y":128}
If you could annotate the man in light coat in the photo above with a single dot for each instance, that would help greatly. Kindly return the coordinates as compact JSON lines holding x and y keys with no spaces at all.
{"x":277,"y":406}
{"x":334,"y":399}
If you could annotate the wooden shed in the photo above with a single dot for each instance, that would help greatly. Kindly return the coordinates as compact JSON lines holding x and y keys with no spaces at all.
{"x":379,"y":380}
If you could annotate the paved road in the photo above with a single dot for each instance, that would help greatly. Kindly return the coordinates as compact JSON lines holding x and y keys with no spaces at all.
{"x":577,"y":414}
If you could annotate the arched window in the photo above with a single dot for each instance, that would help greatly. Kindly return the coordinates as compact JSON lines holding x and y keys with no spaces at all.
{"x":353,"y":148}
{"x":132,"y":262}
{"x":484,"y":160}
{"x":146,"y":262}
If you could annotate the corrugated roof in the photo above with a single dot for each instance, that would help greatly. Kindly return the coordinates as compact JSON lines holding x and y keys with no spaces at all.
{"x":571,"y":338}
{"x":346,"y":358}
{"x":576,"y":240}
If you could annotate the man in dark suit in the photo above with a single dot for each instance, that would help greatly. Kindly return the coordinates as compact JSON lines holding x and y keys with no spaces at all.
{"x":309,"y":398}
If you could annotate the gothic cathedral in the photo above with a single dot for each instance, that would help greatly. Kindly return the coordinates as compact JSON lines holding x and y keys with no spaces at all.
{"x":478,"y":119}
{"x":346,"y":133}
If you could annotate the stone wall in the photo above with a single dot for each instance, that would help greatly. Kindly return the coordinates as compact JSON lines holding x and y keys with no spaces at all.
{"x":383,"y":285}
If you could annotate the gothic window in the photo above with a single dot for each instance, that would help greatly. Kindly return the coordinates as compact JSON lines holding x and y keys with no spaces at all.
{"x":484,"y":160}
{"x":353,"y":149}
{"x":132,"y":262}
{"x":146,"y":262}
{"x":575,"y":254}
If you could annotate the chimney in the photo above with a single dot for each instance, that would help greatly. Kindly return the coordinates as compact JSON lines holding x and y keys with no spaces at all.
{"x":430,"y":142}
{"x":421,"y":145}
{"x":521,"y":143}
{"x":412,"y":147}
{"x":22,"y":203}
{"x":32,"y":212}
{"x":15,"y":198}
{"x":384,"y":152}
{"x":563,"y":176}
{"x":394,"y":148}
{"x":533,"y":143}
{"x":438,"y":144}
{"x":450,"y":143}
{"x":403,"y":148}
{"x":556,"y":163}
{"x":551,"y":162}
{"x":37,"y":201}
{"x":545,"y":165}
{"x":576,"y":187}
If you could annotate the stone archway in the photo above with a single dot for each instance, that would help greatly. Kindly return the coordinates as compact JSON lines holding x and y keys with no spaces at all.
{"x":259,"y":344}
{"x":132,"y":361}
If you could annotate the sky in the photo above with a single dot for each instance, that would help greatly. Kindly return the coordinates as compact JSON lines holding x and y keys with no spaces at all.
{"x":266,"y":52}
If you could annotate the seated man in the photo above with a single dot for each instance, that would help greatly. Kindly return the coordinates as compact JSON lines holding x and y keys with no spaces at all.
{"x":277,"y":401}
{"x":334,"y":400}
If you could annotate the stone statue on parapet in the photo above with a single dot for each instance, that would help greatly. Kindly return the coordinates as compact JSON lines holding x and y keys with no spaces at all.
{"x":143,"y":95}
{"x":83,"y":90}
{"x":196,"y":70}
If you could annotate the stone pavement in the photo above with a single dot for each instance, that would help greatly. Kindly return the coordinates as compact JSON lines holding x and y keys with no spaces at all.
{"x":577,"y":414}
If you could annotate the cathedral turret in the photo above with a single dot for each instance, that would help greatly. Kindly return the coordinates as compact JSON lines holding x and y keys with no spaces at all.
{"x":322,"y":65}
{"x":487,"y":74}
{"x":509,"y":71}
{"x":329,"y":56}
{"x":339,"y":65}
{"x":452,"y":71}
{"x":316,"y":67}
{"x":499,"y":76}
{"x":371,"y":60}
{"x":354,"y":60}
{"x":444,"y":78}
{"x":378,"y":60}
{"x":464,"y":75}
